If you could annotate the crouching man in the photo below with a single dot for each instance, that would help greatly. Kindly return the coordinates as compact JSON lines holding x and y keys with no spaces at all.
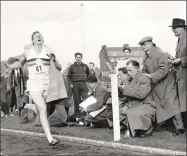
{"x":100,"y":93}
{"x":139,"y":110}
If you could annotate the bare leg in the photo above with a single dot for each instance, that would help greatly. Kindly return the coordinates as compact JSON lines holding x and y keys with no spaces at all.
{"x":39,"y":101}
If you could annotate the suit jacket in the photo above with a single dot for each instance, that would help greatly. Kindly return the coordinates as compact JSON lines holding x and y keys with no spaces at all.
{"x":101,"y":95}
{"x":19,"y":80}
{"x":181,"y":68}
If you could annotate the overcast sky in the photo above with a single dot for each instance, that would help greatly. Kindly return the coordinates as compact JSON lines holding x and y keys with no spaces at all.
{"x":108,"y":23}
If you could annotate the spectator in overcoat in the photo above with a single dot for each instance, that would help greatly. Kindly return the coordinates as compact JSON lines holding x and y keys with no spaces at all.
{"x":156,"y":68}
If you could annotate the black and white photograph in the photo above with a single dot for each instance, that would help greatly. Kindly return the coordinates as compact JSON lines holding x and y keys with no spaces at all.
{"x":93,"y":78}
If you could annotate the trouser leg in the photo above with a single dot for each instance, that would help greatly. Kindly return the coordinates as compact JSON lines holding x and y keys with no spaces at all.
{"x":83,"y":90}
{"x":84,"y":94}
{"x":71,"y":108}
{"x":62,"y":115}
{"x":23,"y":112}
{"x":13,"y":99}
{"x":177,"y":120}
{"x":9,"y":103}
{"x":37,"y":120}
{"x":77,"y":99}
{"x":24,"y":115}
{"x":67,"y":110}
{"x":50,"y":108}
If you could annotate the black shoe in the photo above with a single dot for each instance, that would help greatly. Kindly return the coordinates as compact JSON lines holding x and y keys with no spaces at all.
{"x":74,"y":124}
{"x":54,"y":142}
{"x":159,"y":128}
{"x":179,"y":131}
{"x":91,"y":126}
{"x":71,"y":119}
{"x":63,"y":124}
{"x":123,"y":128}
{"x":145,"y":135}
{"x":24,"y":121}
{"x":37,"y":125}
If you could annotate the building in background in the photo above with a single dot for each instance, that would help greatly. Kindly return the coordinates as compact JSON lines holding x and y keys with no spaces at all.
{"x":113,"y":54}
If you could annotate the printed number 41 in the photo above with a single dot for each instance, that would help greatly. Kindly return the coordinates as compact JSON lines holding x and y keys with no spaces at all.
{"x":38,"y":68}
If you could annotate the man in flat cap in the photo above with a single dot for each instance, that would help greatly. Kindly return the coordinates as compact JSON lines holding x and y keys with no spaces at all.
{"x":156,"y":67}
{"x":180,"y":62}
{"x":145,"y":39}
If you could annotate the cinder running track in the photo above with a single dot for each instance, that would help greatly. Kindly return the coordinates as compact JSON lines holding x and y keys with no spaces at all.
{"x":20,"y":145}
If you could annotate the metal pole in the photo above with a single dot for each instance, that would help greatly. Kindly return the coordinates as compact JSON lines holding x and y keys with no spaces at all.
{"x":82,"y":27}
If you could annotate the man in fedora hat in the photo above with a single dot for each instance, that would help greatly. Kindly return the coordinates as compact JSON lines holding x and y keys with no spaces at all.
{"x":156,"y":67}
{"x":180,"y":61}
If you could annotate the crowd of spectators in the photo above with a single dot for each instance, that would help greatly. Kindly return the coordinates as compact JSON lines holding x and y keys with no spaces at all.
{"x":148,"y":97}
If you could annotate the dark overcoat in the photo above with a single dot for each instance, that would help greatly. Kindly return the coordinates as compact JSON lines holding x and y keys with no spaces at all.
{"x":163,"y":84}
{"x":182,"y":71}
{"x":141,"y":107}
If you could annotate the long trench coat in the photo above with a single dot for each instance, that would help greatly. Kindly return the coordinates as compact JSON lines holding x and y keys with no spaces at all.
{"x":181,"y":52}
{"x":57,"y":89}
{"x":163,"y":84}
{"x":141,"y":107}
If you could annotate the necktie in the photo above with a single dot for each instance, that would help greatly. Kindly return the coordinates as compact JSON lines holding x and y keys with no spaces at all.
{"x":16,"y":73}
{"x":16,"y":76}
{"x":178,"y":40}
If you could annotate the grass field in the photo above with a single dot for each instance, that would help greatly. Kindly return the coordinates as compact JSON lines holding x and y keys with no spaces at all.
{"x":160,"y":139}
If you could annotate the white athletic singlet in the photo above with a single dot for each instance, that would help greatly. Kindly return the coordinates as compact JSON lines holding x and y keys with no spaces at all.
{"x":38,"y":68}
{"x":38,"y":64}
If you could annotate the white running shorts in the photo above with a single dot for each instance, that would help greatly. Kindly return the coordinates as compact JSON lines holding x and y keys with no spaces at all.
{"x":41,"y":86}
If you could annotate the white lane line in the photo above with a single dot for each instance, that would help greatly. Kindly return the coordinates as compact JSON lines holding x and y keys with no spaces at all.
{"x":77,"y":152}
{"x":117,"y":145}
{"x":3,"y":154}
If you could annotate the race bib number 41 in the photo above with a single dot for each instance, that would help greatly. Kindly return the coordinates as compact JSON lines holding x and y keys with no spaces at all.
{"x":39,"y":68}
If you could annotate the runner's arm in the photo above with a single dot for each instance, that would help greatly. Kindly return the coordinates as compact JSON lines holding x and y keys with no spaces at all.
{"x":17,"y":65}
{"x":57,"y":65}
{"x":52,"y":57}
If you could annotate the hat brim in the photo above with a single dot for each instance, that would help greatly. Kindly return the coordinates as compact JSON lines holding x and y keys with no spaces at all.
{"x":173,"y":26}
{"x":140,"y":43}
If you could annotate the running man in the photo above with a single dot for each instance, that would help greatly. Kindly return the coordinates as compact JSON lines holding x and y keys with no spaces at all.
{"x":38,"y":58}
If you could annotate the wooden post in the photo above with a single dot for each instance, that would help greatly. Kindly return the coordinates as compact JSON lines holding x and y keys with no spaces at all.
{"x":115,"y":107}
